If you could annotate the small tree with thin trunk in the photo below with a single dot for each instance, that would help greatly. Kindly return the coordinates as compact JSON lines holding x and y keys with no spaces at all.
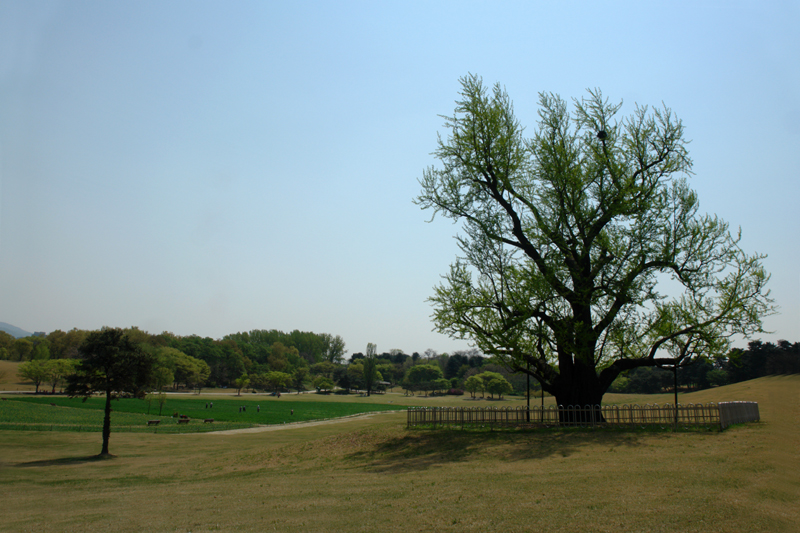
{"x":113,"y":364}
{"x":161,"y":397}
{"x":60,"y":370}
{"x":369,"y":367}
{"x":473,"y":384}
{"x":299,"y":377}
{"x":241,"y":383}
{"x":149,"y":399}
{"x":36,"y":371}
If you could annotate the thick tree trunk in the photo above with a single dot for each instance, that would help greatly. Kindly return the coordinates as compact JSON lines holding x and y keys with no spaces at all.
{"x":106,"y":424}
{"x":579,"y":396}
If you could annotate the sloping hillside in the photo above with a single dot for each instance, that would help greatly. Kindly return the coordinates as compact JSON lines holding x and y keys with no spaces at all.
{"x":14,"y":331}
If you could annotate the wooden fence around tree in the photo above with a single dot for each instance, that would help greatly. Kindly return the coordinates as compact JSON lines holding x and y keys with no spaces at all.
{"x":688,"y":415}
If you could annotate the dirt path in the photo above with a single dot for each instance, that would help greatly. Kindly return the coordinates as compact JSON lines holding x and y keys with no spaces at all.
{"x":295,"y":425}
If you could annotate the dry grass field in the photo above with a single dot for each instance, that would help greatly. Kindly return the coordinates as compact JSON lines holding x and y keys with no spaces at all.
{"x":9,"y":381}
{"x":372,"y":474}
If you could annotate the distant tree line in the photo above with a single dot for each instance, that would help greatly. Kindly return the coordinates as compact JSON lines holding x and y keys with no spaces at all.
{"x":268,"y":360}
{"x":432,"y":373}
{"x":758,"y":360}
{"x":271,"y":360}
{"x":41,"y":346}
{"x":189,"y":361}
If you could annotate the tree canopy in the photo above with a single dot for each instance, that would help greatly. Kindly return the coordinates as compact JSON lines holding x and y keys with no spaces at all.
{"x":570,"y":237}
{"x":422,"y":377}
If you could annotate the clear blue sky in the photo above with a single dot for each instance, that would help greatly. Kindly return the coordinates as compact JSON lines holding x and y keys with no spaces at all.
{"x":213,"y":167}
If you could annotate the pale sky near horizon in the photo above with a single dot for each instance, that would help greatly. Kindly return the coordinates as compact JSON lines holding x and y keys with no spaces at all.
{"x":208,"y":168}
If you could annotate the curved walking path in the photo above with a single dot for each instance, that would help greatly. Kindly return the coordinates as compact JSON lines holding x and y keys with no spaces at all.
{"x":295,"y":425}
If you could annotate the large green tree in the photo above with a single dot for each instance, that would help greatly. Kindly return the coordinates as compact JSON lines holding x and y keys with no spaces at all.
{"x":190,"y":371}
{"x":322,"y":383}
{"x":278,"y":380}
{"x":423,"y":377}
{"x":334,"y":348}
{"x":584,"y":253}
{"x":111,"y":363}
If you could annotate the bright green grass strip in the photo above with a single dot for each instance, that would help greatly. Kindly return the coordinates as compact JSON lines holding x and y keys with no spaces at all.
{"x":195,"y":426}
{"x":40,"y":416}
{"x":22,"y":412}
{"x":272,"y":411}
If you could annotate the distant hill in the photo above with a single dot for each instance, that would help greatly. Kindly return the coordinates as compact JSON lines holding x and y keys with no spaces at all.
{"x":14,"y":331}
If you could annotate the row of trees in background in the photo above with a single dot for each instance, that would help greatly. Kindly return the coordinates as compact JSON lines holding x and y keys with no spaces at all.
{"x":272,"y":360}
{"x":193,"y":361}
{"x":260,"y":360}
{"x":40,"y":346}
{"x":430,"y":373}
{"x":52,"y":371}
{"x":758,"y":360}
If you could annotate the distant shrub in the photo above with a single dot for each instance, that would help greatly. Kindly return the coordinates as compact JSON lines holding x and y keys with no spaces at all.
{"x":455,"y":392}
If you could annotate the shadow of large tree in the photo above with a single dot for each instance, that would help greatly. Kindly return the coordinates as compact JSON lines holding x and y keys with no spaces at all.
{"x":424,"y":449}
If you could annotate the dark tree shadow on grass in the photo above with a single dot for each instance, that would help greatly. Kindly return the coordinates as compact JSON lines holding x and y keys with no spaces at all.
{"x":424,"y":449}
{"x":66,"y":461}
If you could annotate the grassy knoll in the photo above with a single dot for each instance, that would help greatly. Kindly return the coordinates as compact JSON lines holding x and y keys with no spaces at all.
{"x":374,"y":475}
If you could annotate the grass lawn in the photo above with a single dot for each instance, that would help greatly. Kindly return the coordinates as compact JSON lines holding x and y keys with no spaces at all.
{"x":59,"y":413}
{"x":9,"y":381}
{"x":375,"y":475}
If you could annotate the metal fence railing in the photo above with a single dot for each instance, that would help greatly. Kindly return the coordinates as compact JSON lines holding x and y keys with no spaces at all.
{"x":686,"y":415}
